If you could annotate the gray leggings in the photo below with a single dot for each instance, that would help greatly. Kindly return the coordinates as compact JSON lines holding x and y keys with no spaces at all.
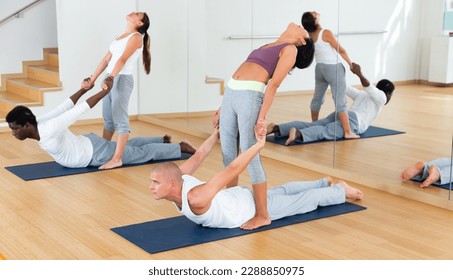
{"x":115,"y":105}
{"x":302,"y":197}
{"x":238,"y":115}
{"x":138,"y":150}
{"x":335,"y":76}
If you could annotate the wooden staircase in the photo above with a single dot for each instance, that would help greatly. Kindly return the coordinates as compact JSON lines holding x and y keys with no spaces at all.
{"x":27,"y":88}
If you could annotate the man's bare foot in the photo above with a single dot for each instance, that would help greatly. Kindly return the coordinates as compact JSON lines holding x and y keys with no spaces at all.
{"x":187,"y":147}
{"x":293,"y":135}
{"x":351,"y":136}
{"x":271,"y":128}
{"x":256,"y":222}
{"x":351,"y":193}
{"x":412,"y":171}
{"x":433,"y":177}
{"x":167,"y":138}
{"x":111,"y":164}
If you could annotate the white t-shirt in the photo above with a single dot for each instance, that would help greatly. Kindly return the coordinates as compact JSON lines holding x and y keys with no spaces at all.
{"x":66,"y":148}
{"x":117,"y":48}
{"x":230,"y":208}
{"x":367,"y":104}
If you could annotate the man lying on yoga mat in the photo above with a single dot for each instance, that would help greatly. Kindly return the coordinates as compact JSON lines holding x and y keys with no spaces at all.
{"x":437,"y":170}
{"x":211,"y":205}
{"x":367,"y":104}
{"x":53,"y":135}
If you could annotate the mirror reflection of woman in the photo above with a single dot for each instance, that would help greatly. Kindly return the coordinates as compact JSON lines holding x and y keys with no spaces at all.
{"x":248,"y":97}
{"x":328,"y":71}
{"x":119,"y":63}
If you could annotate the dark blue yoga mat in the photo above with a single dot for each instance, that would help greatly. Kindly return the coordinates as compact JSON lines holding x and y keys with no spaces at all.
{"x":437,"y":184}
{"x":177,"y":232}
{"x":372,"y":131}
{"x":50,"y":169}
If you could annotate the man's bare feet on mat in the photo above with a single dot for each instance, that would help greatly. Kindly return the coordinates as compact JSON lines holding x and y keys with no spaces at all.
{"x":351,"y":193}
{"x":187,"y":147}
{"x":412,"y":171}
{"x":433,"y":177}
{"x":293,"y":135}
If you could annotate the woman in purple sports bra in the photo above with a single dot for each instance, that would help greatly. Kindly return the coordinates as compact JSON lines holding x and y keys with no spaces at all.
{"x":248,"y":97}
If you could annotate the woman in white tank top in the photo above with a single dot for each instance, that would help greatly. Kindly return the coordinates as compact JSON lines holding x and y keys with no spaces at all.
{"x":329,"y":70}
{"x":119,"y":63}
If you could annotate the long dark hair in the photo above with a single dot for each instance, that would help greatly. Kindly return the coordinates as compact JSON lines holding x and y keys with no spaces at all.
{"x":146,"y":54}
{"x":309,"y":22}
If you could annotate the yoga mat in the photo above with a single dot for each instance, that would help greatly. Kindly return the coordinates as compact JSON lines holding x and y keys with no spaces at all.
{"x":437,"y":184}
{"x":52,"y":169}
{"x":372,"y":131}
{"x":177,"y":232}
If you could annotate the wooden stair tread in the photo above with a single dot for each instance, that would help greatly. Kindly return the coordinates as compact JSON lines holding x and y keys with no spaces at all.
{"x":45,"y":67}
{"x":34,"y":83}
{"x":16,"y":98}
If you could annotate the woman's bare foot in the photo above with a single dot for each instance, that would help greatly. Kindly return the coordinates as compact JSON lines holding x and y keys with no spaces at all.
{"x":351,"y":136}
{"x":111,"y":164}
{"x":256,"y":222}
{"x":187,"y":147}
{"x":412,"y":171}
{"x":167,"y":138}
{"x":351,"y":193}
{"x":293,"y":135}
{"x":433,"y":177}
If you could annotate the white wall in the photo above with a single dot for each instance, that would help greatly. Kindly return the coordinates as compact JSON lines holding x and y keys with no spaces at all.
{"x":189,"y":39}
{"x":85,"y":30}
{"x":24,"y":38}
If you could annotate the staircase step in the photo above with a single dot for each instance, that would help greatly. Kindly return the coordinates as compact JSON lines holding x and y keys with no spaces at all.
{"x":45,"y":73}
{"x":9,"y":100}
{"x":53,"y":59}
{"x":29,"y":88}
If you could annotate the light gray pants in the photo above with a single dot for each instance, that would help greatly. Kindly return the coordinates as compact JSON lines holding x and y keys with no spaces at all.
{"x":302,"y":197}
{"x":115,"y":105}
{"x":326,"y":128}
{"x":443,"y":165}
{"x":335,"y":76}
{"x":238,"y":115}
{"x":138,"y":150}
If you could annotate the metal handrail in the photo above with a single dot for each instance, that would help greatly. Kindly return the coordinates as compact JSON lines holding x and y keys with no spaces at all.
{"x":276,"y":36}
{"x":19,"y":11}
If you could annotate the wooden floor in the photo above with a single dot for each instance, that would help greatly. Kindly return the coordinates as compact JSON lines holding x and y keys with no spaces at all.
{"x":70,"y":217}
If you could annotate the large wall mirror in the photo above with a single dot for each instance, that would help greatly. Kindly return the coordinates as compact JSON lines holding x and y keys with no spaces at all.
{"x":197,"y":45}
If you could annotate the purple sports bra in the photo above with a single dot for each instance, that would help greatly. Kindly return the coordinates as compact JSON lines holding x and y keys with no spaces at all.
{"x":266,"y":57}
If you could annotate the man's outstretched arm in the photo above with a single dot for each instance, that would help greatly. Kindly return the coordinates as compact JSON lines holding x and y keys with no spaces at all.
{"x":192,"y":164}
{"x":356,"y":69}
{"x":93,"y":100}
{"x":201,"y":196}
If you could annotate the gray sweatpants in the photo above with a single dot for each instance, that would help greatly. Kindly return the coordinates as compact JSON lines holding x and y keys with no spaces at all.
{"x":302,"y":197}
{"x":326,"y":128}
{"x":138,"y":150}
{"x":238,"y":115}
{"x":115,"y":105}
{"x":335,"y":76}
{"x":443,"y":165}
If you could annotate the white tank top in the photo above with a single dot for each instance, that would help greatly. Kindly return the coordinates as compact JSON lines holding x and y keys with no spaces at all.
{"x":117,"y":48}
{"x":324,"y":53}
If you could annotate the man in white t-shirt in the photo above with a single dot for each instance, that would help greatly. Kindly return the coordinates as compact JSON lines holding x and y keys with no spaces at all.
{"x":74,"y":151}
{"x":212,"y":205}
{"x":366,"y":106}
